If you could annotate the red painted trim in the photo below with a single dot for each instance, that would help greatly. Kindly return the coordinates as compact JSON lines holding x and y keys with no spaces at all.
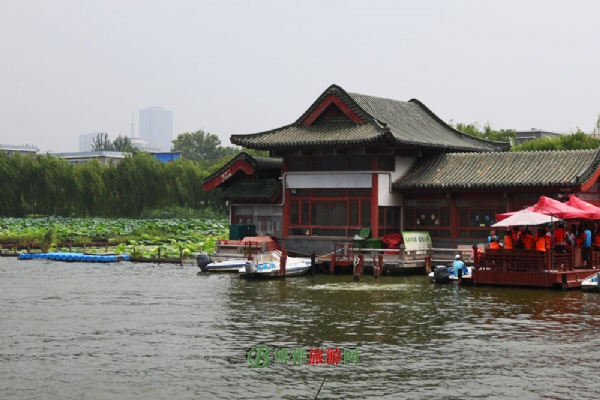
{"x":327,"y":101}
{"x":585,"y":187}
{"x":375,"y":205}
{"x":240,"y":165}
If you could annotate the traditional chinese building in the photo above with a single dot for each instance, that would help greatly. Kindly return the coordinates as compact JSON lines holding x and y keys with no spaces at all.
{"x":353,"y":161}
{"x":252,"y":189}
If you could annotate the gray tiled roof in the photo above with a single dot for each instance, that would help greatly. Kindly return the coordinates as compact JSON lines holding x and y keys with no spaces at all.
{"x":403,"y":124}
{"x":260,"y":190}
{"x":461,"y":171}
{"x":260,"y":163}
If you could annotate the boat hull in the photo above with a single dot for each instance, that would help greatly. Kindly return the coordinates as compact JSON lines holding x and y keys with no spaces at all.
{"x":591,"y":283}
{"x":444,"y":274}
{"x":225,"y":266}
{"x":268,"y":266}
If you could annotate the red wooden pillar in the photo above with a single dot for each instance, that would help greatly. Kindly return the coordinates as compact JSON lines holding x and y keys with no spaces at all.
{"x":453,"y":219}
{"x":332,"y":263}
{"x":375,"y":204}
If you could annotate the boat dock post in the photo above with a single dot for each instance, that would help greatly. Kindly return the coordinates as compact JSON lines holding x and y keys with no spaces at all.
{"x":358,"y":268}
{"x":377,"y":265}
{"x":282,"y":263}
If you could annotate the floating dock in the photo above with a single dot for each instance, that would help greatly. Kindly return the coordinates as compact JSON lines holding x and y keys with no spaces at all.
{"x":72,"y":257}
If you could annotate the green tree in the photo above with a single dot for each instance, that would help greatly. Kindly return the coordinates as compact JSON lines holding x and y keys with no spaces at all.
{"x":123,"y":143}
{"x":102,"y":143}
{"x":469,"y":129}
{"x":575,"y":141}
{"x":10,"y":182}
{"x":503,"y":135}
{"x":90,"y":188}
{"x":202,"y":147}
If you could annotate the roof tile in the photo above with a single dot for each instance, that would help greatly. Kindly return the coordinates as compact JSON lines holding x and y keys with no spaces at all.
{"x":260,"y":190}
{"x":455,"y":171}
{"x":409,"y":124}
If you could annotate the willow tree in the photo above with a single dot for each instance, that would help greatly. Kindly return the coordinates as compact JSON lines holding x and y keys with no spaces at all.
{"x":139,"y":184}
{"x":11,"y":184}
{"x":52,"y":186}
{"x":91,"y":190}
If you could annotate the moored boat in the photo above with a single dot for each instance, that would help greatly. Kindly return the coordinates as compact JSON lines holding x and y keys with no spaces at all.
{"x":443,"y":274}
{"x":591,"y":282}
{"x":268,"y":265}
{"x":206,"y":264}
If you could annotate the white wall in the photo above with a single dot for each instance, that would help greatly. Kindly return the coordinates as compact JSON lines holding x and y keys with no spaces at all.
{"x":385,"y":195}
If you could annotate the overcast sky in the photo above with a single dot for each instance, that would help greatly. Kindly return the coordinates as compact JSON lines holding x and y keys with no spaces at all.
{"x":70,"y":67}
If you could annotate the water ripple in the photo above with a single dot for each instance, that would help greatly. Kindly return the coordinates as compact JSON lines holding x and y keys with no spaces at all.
{"x":133,"y":331}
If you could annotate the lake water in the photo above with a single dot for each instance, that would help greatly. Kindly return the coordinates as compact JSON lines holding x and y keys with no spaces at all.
{"x":143,"y":331}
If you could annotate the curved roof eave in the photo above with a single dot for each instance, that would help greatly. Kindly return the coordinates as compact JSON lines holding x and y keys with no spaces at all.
{"x":502,"y":145}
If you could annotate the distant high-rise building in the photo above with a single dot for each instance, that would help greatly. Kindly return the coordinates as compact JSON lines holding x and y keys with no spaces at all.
{"x":86,"y":140}
{"x":156,"y":127}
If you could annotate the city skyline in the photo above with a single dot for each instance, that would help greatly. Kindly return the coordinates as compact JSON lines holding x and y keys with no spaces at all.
{"x":156,"y":127}
{"x":142,"y":140}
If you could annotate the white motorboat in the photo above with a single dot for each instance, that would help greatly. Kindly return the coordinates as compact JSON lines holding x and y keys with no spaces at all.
{"x":443,"y":274}
{"x":232,"y":265}
{"x":591,"y":282}
{"x":268,"y":265}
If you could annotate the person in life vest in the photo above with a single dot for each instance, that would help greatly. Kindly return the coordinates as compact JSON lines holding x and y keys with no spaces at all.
{"x":560,"y":242}
{"x":548,"y":239}
{"x":493,"y":241}
{"x":516,"y":233}
{"x":509,"y":242}
{"x":581,"y":237}
{"x":597,"y":240}
{"x":570,"y":240}
{"x":527,"y":239}
{"x":540,"y":241}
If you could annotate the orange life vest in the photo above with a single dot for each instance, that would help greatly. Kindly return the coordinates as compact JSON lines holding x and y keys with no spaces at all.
{"x":527,"y":239}
{"x":540,"y":244}
{"x":508,"y":242}
{"x":559,"y":237}
{"x":597,"y":239}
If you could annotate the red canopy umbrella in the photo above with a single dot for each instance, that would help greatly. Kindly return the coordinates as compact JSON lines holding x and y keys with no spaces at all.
{"x":584,"y":205}
{"x":548,"y":206}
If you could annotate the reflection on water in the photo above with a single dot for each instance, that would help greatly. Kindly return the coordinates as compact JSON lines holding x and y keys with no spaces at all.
{"x":74,"y":330}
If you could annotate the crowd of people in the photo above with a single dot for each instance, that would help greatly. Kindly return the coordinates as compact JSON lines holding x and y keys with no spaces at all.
{"x":559,"y":239}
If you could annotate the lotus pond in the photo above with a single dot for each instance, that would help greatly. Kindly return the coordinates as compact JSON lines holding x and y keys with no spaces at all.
{"x":139,"y":237}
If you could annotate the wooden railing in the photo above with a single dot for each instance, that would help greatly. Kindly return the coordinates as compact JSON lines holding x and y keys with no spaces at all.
{"x":523,"y":260}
